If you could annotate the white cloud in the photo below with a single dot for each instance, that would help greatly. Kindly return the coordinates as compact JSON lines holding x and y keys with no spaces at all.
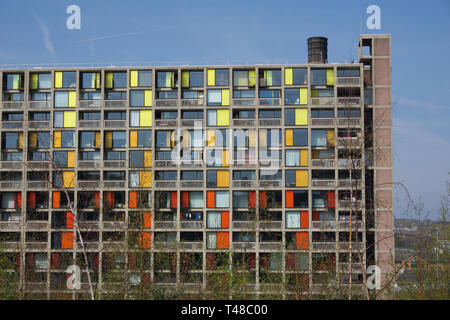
{"x":48,"y":43}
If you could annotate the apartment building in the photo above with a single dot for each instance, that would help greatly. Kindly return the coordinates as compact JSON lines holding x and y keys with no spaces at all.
{"x":199,"y":168}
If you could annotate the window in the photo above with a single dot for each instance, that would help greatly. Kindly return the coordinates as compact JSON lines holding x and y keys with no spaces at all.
{"x":222,"y":199}
{"x":296,"y":96}
{"x":90,"y":80}
{"x":292,"y":220}
{"x":64,"y":119}
{"x":296,"y":117}
{"x":166,"y":114}
{"x":191,"y":175}
{"x":269,"y":175}
{"x":89,"y":155}
{"x":12,"y":140}
{"x":165,"y":139}
{"x":297,"y":199}
{"x":115,"y":139}
{"x":141,"y":118}
{"x":89,"y":139}
{"x":140,"y":138}
{"x":64,"y":159}
{"x":192,"y":94}
{"x":141,"y":98}
{"x":268,"y":113}
{"x":243,"y":114}
{"x":116,"y":95}
{"x":296,"y":137}
{"x":218,"y":77}
{"x":219,"y":117}
{"x":165,"y":175}
{"x":39,"y":140}
{"x":318,"y":138}
{"x":240,"y":199}
{"x":349,"y":113}
{"x":41,"y":96}
{"x":12,"y":116}
{"x":296,"y":178}
{"x":244,"y":78}
{"x":191,"y":79}
{"x":13,"y":81}
{"x":192,"y":115}
{"x":89,"y":175}
{"x":270,"y":77}
{"x":91,"y":96}
{"x":140,"y":159}
{"x":243,"y":94}
{"x":213,"y":220}
{"x":292,"y":158}
{"x":65,"y":79}
{"x":115,"y":80}
{"x":348,"y":73}
{"x":244,"y":175}
{"x":165,"y":79}
{"x":114,"y":155}
{"x":40,"y":81}
{"x":114,"y":175}
{"x":90,"y":115}
{"x":173,"y":94}
{"x":295,"y":76}
{"x":65,"y":99}
{"x":220,"y":97}
{"x":322,"y":77}
{"x":322,"y":113}
{"x":140,"y":78}
{"x":217,"y":179}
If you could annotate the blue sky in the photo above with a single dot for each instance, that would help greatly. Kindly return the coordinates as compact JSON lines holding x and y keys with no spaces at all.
{"x":238,"y":31}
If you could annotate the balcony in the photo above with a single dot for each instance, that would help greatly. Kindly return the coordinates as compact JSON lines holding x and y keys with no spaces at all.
{"x":11,"y":164}
{"x":323,"y":224}
{"x":12,"y":124}
{"x":191,"y":184}
{"x":346,"y":203}
{"x":115,"y":123}
{"x":113,"y":184}
{"x":346,"y":183}
{"x":244,"y":122}
{"x":10,"y":185}
{"x":271,"y":245}
{"x":165,"y":224}
{"x":166,"y":102}
{"x":39,"y":124}
{"x":244,"y":245}
{"x":351,"y":122}
{"x":114,"y":164}
{"x":13,"y":104}
{"x":10,"y":226}
{"x":36,"y":245}
{"x":38,"y":184}
{"x":89,"y":164}
{"x":270,"y":102}
{"x":191,"y":224}
{"x":244,"y":183}
{"x":346,"y":225}
{"x":243,"y":225}
{"x":270,"y":224}
{"x":192,"y":102}
{"x":346,"y":246}
{"x":165,"y":184}
{"x":191,"y":122}
{"x":115,"y":103}
{"x":323,"y":245}
{"x":90,"y":103}
{"x":39,"y":104}
{"x":88,"y":184}
{"x":322,"y":163}
{"x":269,"y":183}
{"x":322,"y":101}
{"x":165,"y":163}
{"x":352,"y":100}
{"x":322,"y":122}
{"x":166,"y":123}
{"x":89,"y":124}
{"x":323,"y":183}
{"x":352,"y":162}
{"x":244,"y":102}
{"x":270,"y":122}
{"x":352,"y":81}
{"x":191,"y":245}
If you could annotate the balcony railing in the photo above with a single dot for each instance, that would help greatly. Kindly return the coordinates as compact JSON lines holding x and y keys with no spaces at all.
{"x":38,"y":124}
{"x":12,"y":124}
{"x":322,"y":122}
{"x":244,"y":183}
{"x":115,"y":123}
{"x":353,"y":100}
{"x":115,"y":103}
{"x":13,"y":104}
{"x":192,"y":102}
{"x":269,"y":102}
{"x":351,"y":122}
{"x":270,"y":122}
{"x":89,"y":124}
{"x":191,"y":184}
{"x":322,"y":101}
{"x":269,"y":183}
{"x":90,"y":103}
{"x":166,"y":102}
{"x":323,"y":245}
{"x":322,"y":162}
{"x":347,"y":203}
{"x":271,"y":245}
{"x":166,"y":123}
{"x":323,"y":224}
{"x":93,"y":164}
{"x":323,"y":183}
{"x":244,"y":122}
{"x":348,"y":81}
{"x":10,"y":184}
{"x":244,"y":102}
{"x":165,"y":184}
{"x":39,"y":104}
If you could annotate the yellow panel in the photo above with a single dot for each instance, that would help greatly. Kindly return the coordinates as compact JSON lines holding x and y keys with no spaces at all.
{"x":252,"y":138}
{"x":147,"y":158}
{"x":210,"y":138}
{"x":268,"y":77}
{"x":108,"y":139}
{"x":172,"y":139}
{"x":211,"y":77}
{"x":262,"y":137}
{"x":173,"y":79}
{"x":71,"y":159}
{"x":303,"y":158}
{"x":97,"y":80}
{"x":330,"y":137}
{"x":58,"y":79}
{"x":34,"y":81}
{"x":301,"y":117}
{"x":145,"y":118}
{"x":223,"y":117}
{"x":185,"y":79}
{"x":186,"y":138}
{"x":225,"y":97}
{"x":109,"y":80}
{"x":289,"y":137}
{"x":57,"y":139}
{"x":72,"y":99}
{"x":301,"y":178}
{"x":20,"y":146}
{"x":225,"y":158}
{"x":69,"y":119}
{"x":330,"y":77}
{"x":168,"y":79}
{"x":133,"y":139}
{"x":288,"y":76}
{"x":303,"y":95}
{"x":69,"y":179}
{"x":223,"y":178}
{"x":148,"y":98}
{"x":98,"y":140}
{"x":314,"y":93}
{"x":134,"y":78}
{"x":145,"y":178}
{"x":32,"y":140}
{"x":251,"y":78}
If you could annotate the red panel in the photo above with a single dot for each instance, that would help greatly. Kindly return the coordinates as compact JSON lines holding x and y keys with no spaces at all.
{"x":289,"y":199}
{"x":331,"y":199}
{"x":304,"y":220}
{"x":210,"y":199}
{"x":315,"y":216}
{"x":31,"y":200}
{"x":262,"y":199}
{"x":225,"y":219}
{"x":56,"y":199}
{"x":173,"y":200}
{"x":252,"y":199}
{"x":97,"y":200}
{"x":185,"y":199}
{"x":18,"y":200}
{"x":110,"y":199}
{"x":69,"y":220}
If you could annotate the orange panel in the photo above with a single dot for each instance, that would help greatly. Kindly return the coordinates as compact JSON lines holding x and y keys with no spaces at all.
{"x":185,"y":199}
{"x":252,"y":199}
{"x":210,"y":199}
{"x":56,"y":199}
{"x":302,"y":240}
{"x":289,"y":199}
{"x":145,"y":239}
{"x":225,"y":219}
{"x":262,"y":199}
{"x":132,"y":199}
{"x":173,"y":200}
{"x":223,"y":240}
{"x":97,"y":200}
{"x":304,"y":220}
{"x":147,"y":220}
{"x":31,"y":200}
{"x":67,"y":240}
{"x":18,"y":200}
{"x":69,"y":220}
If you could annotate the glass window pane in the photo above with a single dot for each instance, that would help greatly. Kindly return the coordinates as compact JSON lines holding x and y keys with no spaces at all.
{"x":44,"y":81}
{"x":222,"y":77}
{"x":61,"y":99}
{"x":318,"y":138}
{"x":222,"y":199}
{"x":292,"y":219}
{"x":213,"y":220}
{"x":299,"y":75}
{"x":69,"y":79}
{"x":318,"y":77}
{"x":292,"y":96}
{"x":137,"y":98}
{"x":58,"y":119}
{"x":196,"y":199}
{"x":214,"y":97}
{"x":145,"y":78}
{"x":292,"y":158}
{"x":196,"y":78}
